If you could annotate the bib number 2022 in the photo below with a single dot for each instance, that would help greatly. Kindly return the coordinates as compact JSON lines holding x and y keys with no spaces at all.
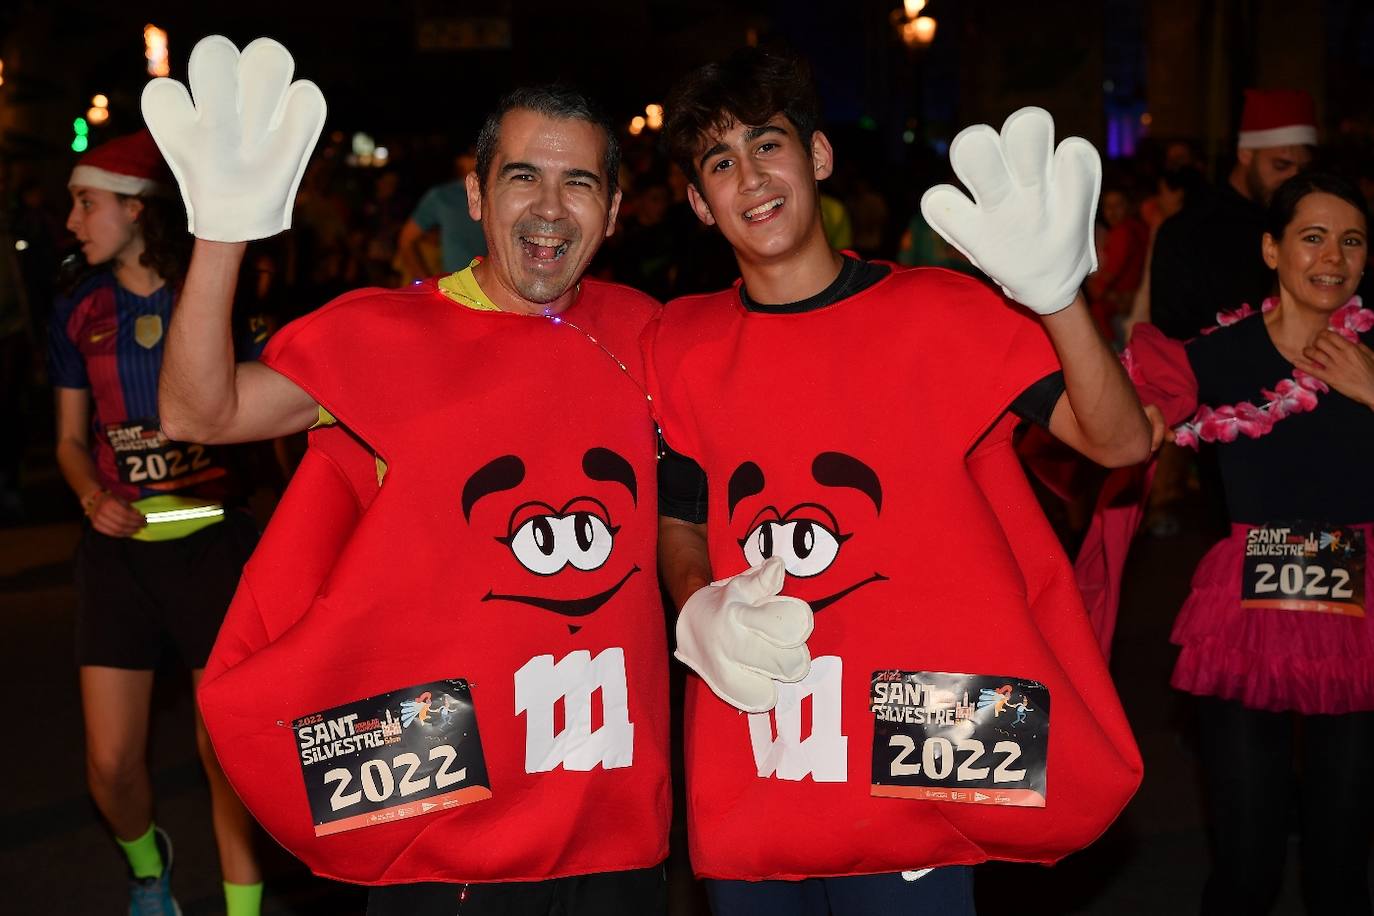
{"x":169,"y":463}
{"x":1299,"y":581}
{"x":938,"y":759}
{"x":378,"y":781}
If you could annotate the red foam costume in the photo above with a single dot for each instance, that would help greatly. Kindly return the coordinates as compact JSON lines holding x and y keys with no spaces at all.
{"x":945,"y":565}
{"x":359,"y":589}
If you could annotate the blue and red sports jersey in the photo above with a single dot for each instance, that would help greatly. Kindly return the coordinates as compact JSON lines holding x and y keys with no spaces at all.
{"x":106,"y":339}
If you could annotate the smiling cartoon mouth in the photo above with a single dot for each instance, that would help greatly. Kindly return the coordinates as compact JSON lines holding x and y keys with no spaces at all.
{"x":821,"y":604}
{"x":568,"y":607}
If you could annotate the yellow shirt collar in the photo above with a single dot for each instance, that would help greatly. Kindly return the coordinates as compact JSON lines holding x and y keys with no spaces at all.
{"x":462,"y":288}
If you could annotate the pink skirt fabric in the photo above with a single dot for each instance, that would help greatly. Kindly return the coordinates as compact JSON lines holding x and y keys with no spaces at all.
{"x":1267,"y":658}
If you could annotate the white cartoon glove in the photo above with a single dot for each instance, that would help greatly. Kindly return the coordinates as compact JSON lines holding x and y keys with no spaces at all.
{"x":239,"y":151}
{"x":742,"y":637}
{"x":1030,"y":223}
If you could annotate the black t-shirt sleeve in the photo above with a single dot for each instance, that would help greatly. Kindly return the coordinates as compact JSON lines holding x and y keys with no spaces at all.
{"x":1036,"y":403}
{"x":681,"y":487}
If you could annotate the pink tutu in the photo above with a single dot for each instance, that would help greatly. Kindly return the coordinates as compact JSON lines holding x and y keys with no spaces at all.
{"x":1268,"y":658}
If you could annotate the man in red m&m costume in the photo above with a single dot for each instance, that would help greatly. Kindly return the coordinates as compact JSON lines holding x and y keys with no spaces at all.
{"x":443,"y":673}
{"x":840,"y":447}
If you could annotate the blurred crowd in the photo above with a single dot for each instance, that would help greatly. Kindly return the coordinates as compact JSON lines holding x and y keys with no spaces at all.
{"x":359,"y":225}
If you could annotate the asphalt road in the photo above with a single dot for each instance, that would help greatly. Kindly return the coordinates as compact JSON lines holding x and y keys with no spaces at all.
{"x":56,"y":857}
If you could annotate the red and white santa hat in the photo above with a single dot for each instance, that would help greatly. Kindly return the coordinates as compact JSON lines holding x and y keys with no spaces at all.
{"x":129,"y":165}
{"x":1277,"y":117}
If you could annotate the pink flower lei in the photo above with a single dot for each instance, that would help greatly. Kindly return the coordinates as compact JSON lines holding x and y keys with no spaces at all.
{"x":1291,"y":395}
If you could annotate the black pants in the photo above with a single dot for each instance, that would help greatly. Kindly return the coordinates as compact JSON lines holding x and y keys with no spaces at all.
{"x":1250,"y":780}
{"x":639,"y":891}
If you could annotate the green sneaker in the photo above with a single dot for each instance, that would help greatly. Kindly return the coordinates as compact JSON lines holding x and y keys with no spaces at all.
{"x":153,"y":896}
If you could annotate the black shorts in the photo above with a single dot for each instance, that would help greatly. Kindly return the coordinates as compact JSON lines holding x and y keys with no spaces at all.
{"x":637,"y":892}
{"x":138,"y":599}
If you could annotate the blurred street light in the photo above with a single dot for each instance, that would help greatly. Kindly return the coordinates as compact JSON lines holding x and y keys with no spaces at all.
{"x":654,"y":116}
{"x":99,"y":112}
{"x":637,"y":124}
{"x":915,"y":30}
{"x":80,"y":135}
{"x":155,"y":50}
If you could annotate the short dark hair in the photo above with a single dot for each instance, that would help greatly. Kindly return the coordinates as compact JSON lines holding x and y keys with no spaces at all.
{"x":553,"y":101}
{"x":750,"y":86}
{"x":1285,"y":201}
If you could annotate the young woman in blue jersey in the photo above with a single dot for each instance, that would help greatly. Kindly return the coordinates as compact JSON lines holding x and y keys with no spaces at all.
{"x":161,"y":556}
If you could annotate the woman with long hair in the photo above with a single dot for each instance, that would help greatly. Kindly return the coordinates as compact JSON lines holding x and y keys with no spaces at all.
{"x":164,"y":545}
{"x":1276,"y":638}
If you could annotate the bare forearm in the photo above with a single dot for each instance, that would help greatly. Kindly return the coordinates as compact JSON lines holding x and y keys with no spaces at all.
{"x":411,"y":260}
{"x":203,"y":394}
{"x":1104,"y":419}
{"x":408,"y":245}
{"x":684,"y":563}
{"x":196,"y":391}
{"x":77,"y":467}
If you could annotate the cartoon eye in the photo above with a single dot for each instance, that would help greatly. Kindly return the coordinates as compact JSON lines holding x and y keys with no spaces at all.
{"x":592,"y":540}
{"x":807,"y":548}
{"x":535,"y":545}
{"x":545,"y":544}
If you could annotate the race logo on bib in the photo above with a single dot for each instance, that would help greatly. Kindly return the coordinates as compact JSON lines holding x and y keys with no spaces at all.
{"x":401,"y":754}
{"x":1300,"y":566}
{"x":968,"y":738}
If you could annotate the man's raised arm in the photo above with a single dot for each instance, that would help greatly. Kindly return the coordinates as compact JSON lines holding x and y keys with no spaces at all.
{"x":238,"y":151}
{"x":203,"y":394}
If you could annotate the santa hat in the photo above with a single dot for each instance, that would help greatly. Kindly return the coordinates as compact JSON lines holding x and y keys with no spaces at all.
{"x":1277,"y":117}
{"x":128,"y":165}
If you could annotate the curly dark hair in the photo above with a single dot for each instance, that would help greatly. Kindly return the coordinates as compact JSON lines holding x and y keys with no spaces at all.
{"x":750,"y":86}
{"x":166,"y":243}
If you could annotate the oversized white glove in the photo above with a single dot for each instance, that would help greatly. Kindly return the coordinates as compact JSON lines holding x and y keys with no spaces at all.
{"x":1030,"y":223}
{"x":742,"y":637}
{"x":239,"y":151}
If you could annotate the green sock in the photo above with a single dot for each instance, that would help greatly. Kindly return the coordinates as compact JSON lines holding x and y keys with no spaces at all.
{"x":143,"y":855}
{"x":242,"y":899}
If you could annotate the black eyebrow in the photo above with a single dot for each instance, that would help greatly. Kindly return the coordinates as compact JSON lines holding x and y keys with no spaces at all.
{"x":713,"y":151}
{"x":519,"y":167}
{"x":499,"y":474}
{"x":754,"y":133}
{"x":583,"y":173}
{"x":744,"y":482}
{"x":836,"y":469}
{"x":604,"y":464}
{"x":750,"y":135}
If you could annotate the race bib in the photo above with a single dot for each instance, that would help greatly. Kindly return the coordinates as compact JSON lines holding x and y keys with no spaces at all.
{"x":1301,"y":566}
{"x":969,"y":738}
{"x":401,"y":754}
{"x":146,"y":458}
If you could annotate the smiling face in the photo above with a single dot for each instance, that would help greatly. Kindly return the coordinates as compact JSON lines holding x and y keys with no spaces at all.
{"x":545,"y":209}
{"x":105,"y":224}
{"x":758,"y":184}
{"x":1322,"y":253}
